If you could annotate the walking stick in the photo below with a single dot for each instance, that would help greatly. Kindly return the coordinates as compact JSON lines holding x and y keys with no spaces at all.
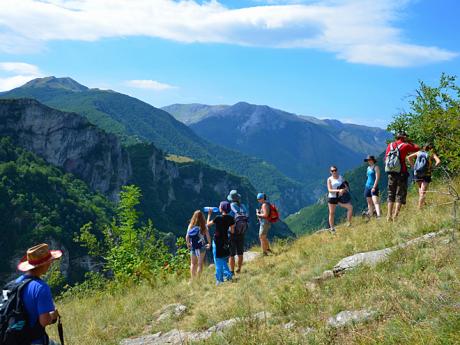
{"x":60,"y":331}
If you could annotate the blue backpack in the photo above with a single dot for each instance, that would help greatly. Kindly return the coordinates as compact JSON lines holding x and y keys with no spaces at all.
{"x":195,"y":238}
{"x":421,"y":164}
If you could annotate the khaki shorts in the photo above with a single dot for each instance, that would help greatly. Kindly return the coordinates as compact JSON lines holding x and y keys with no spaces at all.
{"x":264,"y":227}
{"x":397,"y":188}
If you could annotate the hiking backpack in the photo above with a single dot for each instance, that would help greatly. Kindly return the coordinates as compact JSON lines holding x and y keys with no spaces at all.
{"x":274,"y":215}
{"x":421,"y":164}
{"x":195,"y":238}
{"x":393,"y":159}
{"x":241,"y":219}
{"x":14,"y":323}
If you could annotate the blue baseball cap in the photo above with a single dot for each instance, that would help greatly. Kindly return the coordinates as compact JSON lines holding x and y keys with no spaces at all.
{"x":261,"y":196}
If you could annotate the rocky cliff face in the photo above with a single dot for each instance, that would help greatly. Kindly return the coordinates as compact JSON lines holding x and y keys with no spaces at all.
{"x":68,"y":141}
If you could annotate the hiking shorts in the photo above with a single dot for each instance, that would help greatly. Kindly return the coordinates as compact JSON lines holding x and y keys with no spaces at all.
{"x":333,"y":201}
{"x":236,"y":245}
{"x":397,"y":188}
{"x":202,"y":250}
{"x":426,"y":179}
{"x":368,"y":193}
{"x":263,"y":229}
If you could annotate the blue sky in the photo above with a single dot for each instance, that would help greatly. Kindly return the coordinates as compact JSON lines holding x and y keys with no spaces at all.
{"x":356,"y":61}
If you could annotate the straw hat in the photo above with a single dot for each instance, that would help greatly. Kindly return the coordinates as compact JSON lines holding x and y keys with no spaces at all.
{"x":37,"y":256}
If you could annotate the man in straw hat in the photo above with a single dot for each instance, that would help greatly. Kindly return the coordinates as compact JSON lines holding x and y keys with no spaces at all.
{"x":36,"y":295}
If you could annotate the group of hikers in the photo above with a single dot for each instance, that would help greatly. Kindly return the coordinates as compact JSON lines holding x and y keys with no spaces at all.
{"x":27,"y":301}
{"x":422,"y":159}
{"x":228,"y":240}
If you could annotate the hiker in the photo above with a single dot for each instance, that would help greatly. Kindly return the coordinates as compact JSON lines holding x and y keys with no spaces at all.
{"x":423,"y":167}
{"x":197,"y":232}
{"x":395,"y":166}
{"x":220,"y":243}
{"x":371,"y":189}
{"x":263,"y":214}
{"x":240,"y":214}
{"x":339,"y":194}
{"x":36,"y":294}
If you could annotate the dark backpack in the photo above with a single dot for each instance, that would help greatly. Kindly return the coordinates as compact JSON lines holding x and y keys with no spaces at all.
{"x":345,"y":198}
{"x":241,"y":219}
{"x":195,"y":238}
{"x":14,"y":320}
{"x":421,"y":164}
{"x":393,"y":159}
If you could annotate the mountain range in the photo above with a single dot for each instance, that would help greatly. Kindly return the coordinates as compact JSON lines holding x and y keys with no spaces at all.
{"x":301,"y":147}
{"x":136,"y":121}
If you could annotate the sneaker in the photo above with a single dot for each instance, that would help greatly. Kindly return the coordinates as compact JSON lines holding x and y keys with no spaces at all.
{"x":238,"y":270}
{"x":348,"y":224}
{"x":332,"y":230}
{"x":270,"y":251}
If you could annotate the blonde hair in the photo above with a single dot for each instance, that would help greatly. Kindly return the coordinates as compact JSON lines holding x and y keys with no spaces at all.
{"x":198,"y":220}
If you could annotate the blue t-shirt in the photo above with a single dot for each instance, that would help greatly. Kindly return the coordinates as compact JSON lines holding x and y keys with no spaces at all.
{"x":37,"y":299}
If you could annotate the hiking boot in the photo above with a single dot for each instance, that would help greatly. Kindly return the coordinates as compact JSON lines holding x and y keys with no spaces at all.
{"x":238,"y":270}
{"x":270,"y":251}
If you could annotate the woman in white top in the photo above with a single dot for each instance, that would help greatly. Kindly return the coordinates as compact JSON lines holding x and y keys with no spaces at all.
{"x":336,"y":189}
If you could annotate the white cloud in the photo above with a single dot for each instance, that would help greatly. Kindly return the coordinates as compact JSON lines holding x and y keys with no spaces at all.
{"x":357,"y":31}
{"x":14,"y":74}
{"x":150,"y":85}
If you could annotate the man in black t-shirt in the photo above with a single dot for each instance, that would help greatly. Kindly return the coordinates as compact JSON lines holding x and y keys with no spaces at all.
{"x":221,"y":243}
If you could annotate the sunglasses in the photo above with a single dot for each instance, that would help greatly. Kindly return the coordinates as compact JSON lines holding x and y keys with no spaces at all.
{"x":334,"y":170}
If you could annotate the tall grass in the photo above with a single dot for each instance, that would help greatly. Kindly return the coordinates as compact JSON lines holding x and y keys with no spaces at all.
{"x":415,"y":292}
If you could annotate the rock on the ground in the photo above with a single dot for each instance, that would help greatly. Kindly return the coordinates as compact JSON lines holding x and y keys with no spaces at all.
{"x":310,"y":286}
{"x":289,"y":325}
{"x":326,"y":275}
{"x":178,"y":337}
{"x":368,"y":258}
{"x":348,"y":317}
{"x":250,"y":256}
{"x":306,"y":331}
{"x":171,"y":311}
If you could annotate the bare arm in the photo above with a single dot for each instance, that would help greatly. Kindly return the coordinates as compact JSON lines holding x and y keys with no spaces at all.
{"x":377,"y":176}
{"x":436,"y":159}
{"x":232,"y":229}
{"x":209,"y":222}
{"x":411,"y":157}
{"x":187,"y":239}
{"x":47,"y":319}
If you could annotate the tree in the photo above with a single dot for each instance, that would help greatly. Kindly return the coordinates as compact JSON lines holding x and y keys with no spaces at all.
{"x":434,"y":117}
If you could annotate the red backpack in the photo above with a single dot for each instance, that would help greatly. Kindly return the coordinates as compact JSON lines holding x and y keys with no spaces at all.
{"x":274,"y":215}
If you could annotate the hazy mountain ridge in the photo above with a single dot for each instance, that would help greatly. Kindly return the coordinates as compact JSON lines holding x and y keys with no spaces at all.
{"x":301,"y":147}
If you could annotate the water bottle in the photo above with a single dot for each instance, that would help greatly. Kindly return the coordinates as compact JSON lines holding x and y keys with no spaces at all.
{"x":214,"y":209}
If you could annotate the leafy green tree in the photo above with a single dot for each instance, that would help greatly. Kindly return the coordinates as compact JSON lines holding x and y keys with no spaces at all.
{"x":132,"y":251}
{"x":434,"y":117}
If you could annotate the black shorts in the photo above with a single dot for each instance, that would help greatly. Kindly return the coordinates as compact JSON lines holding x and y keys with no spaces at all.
{"x":333,"y":201}
{"x":236,"y":245}
{"x":426,"y":179}
{"x":369,"y":194}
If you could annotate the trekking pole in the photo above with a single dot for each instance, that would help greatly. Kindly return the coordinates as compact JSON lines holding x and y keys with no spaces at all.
{"x":60,"y":330}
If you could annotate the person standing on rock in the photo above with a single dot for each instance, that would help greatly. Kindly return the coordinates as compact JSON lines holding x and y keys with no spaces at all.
{"x":263,"y":214}
{"x":197,"y":234}
{"x":240,"y":214}
{"x":371,"y":189}
{"x":396,"y":168}
{"x":425,"y":160}
{"x":221,"y":244}
{"x":338,"y":195}
{"x":36,"y":294}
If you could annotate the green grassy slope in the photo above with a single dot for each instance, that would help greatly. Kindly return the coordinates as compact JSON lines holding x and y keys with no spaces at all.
{"x":415,"y":292}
